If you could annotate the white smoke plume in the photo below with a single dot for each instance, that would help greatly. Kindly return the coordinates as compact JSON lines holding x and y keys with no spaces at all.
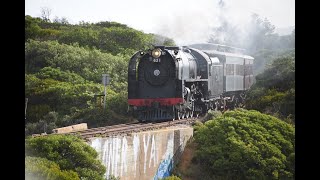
{"x":200,"y":20}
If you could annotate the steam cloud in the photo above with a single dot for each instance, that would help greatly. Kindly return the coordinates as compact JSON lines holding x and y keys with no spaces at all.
{"x":200,"y":20}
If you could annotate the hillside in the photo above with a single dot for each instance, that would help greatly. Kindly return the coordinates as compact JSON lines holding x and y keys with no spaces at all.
{"x":64,"y":64}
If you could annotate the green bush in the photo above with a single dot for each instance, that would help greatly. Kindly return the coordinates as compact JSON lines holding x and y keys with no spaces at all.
{"x":280,"y":75}
{"x":54,"y":95}
{"x":244,"y":144}
{"x":69,"y":152}
{"x":37,"y":168}
{"x":90,"y":64}
{"x":111,"y":37}
{"x":213,"y":114}
{"x":57,"y":74}
{"x":172,"y":177}
{"x":274,"y":90}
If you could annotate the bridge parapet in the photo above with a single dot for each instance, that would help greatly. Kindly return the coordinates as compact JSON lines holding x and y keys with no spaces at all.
{"x":144,"y":155}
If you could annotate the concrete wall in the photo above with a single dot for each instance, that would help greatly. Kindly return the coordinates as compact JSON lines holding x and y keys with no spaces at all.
{"x":144,"y":155}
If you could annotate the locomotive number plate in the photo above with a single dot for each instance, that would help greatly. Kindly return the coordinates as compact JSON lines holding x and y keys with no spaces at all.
{"x":156,"y":60}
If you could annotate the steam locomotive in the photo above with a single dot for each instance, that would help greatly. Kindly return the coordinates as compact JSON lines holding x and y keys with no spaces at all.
{"x":183,"y":82}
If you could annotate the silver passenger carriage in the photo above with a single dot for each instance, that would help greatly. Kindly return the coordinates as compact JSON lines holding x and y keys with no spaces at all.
{"x":236,"y":67}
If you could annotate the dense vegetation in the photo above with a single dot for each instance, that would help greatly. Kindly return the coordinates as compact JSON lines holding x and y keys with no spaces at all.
{"x":62,"y":157}
{"x":172,"y":177}
{"x":110,"y":37}
{"x":245,"y":144}
{"x":274,"y":90}
{"x":37,"y":168}
{"x":63,"y":68}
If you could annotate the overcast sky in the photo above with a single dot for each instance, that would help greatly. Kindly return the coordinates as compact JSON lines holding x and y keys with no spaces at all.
{"x":192,"y":18}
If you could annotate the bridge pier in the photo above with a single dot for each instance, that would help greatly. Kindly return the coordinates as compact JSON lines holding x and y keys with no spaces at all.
{"x":144,"y":155}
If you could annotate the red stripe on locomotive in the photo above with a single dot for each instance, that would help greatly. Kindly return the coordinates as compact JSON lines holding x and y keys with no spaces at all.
{"x":148,"y":102}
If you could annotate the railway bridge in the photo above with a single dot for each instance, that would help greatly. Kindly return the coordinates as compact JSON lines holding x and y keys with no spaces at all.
{"x":138,"y":151}
{"x":143,"y":155}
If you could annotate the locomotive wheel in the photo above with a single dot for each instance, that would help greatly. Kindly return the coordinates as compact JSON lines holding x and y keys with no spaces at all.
{"x":187,"y":114}
{"x":183,"y":115}
{"x":191,"y":114}
{"x":174,"y":111}
{"x":178,"y":114}
{"x":197,"y":114}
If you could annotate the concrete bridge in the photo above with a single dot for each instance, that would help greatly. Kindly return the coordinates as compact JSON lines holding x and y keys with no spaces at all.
{"x":145,"y":155}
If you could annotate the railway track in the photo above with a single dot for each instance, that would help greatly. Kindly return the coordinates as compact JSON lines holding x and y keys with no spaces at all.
{"x":128,"y":128}
{"x":121,"y":129}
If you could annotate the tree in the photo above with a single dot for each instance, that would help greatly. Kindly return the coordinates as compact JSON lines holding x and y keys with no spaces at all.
{"x":169,"y":42}
{"x":45,"y":13}
{"x":162,"y":40}
{"x":69,"y":152}
{"x":37,"y":168}
{"x":274,"y":90}
{"x":257,"y":31}
{"x":245,"y":144}
{"x":107,"y":24}
{"x":32,"y":28}
{"x":63,"y":20}
{"x":280,"y":75}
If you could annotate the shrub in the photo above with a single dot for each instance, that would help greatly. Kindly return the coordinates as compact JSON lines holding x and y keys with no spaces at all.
{"x":244,"y":144}
{"x":213,"y":114}
{"x":37,"y":168}
{"x":274,"y":90}
{"x":69,"y":152}
{"x":172,"y":177}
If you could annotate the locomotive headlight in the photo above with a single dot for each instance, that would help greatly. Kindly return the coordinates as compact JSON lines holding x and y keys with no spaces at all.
{"x":156,"y":53}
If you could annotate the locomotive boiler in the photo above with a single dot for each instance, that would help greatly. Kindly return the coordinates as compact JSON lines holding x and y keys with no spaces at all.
{"x":167,"y":83}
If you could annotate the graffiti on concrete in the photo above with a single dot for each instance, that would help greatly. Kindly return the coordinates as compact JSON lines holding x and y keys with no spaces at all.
{"x":165,"y":166}
{"x":140,"y":155}
{"x":124,"y":155}
{"x":153,"y":153}
{"x":136,"y":148}
{"x":145,"y":148}
{"x":114,"y":154}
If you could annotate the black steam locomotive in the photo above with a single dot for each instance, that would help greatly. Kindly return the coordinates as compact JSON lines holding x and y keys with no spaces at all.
{"x":182,"y":82}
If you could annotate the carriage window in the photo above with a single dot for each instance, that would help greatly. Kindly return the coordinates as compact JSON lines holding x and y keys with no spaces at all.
{"x":239,"y":70}
{"x":230,"y":69}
